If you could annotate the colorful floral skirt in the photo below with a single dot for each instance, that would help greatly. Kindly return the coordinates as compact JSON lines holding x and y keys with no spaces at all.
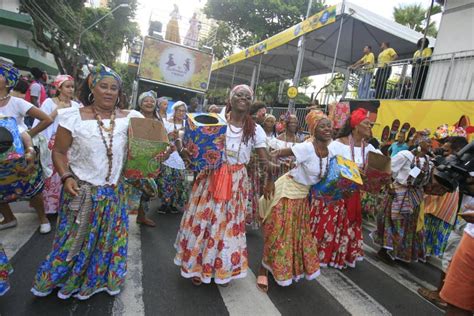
{"x":397,"y":232}
{"x":52,"y":186}
{"x":101,"y":263}
{"x":340,"y":241}
{"x":5,"y":270}
{"x":437,"y":234}
{"x":172,"y":186}
{"x":211,"y":241}
{"x":290,"y":251}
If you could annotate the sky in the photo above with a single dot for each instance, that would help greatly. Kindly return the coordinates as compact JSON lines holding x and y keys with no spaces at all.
{"x":160,"y":10}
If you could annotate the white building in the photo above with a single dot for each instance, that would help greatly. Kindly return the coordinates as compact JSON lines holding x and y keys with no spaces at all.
{"x":16,"y":39}
{"x":451,"y":73}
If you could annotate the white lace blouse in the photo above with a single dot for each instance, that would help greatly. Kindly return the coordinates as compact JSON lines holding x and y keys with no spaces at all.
{"x":87,"y":155}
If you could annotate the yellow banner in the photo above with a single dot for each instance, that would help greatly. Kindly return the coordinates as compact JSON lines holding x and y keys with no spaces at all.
{"x":172,"y":64}
{"x":314,"y":22}
{"x":422,"y":114}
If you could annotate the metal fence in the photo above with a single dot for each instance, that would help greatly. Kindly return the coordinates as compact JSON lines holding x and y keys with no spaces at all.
{"x":299,"y":112}
{"x":443,"y":76}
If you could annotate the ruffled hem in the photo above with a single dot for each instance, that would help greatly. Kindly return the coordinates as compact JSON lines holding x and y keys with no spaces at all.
{"x":78,"y":296}
{"x":295,"y":278}
{"x":208,"y":280}
{"x":346,"y":264}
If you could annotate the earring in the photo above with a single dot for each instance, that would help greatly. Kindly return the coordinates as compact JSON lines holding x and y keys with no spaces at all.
{"x":117,"y":102}
{"x":418,"y":148}
{"x":90,"y":98}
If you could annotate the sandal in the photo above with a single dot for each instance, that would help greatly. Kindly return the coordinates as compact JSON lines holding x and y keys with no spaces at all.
{"x":196,"y":281}
{"x":262,"y":282}
{"x":224,"y":284}
{"x":432,"y":297}
{"x":146,"y":222}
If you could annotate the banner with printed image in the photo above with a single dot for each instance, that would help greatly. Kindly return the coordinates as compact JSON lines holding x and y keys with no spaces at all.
{"x":175,"y":65}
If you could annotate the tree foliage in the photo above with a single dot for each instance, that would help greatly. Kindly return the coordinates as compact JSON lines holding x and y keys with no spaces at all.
{"x":221,"y":40}
{"x":254,"y":20}
{"x":414,"y":16}
{"x":58,"y":24}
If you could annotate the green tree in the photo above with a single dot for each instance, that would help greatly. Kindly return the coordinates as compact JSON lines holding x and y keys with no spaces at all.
{"x":414,"y":16}
{"x":221,"y":40}
{"x":252,"y":21}
{"x":58,"y":24}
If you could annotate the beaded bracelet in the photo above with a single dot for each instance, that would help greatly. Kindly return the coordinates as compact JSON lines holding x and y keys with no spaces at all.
{"x":66,"y":176}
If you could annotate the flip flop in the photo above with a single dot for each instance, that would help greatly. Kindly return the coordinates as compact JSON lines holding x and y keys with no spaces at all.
{"x":432,"y":297}
{"x":262,"y":283}
{"x":196,"y":281}
{"x":146,"y":222}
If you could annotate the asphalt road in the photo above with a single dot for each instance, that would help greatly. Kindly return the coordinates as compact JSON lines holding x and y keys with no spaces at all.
{"x":155,"y":287}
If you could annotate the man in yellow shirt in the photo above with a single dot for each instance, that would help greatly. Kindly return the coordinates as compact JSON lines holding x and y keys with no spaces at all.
{"x":366,"y":66}
{"x":386,"y":56}
{"x":419,"y":71}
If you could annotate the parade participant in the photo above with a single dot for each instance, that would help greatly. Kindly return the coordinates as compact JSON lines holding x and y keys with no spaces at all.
{"x":441,"y":211}
{"x":161,"y":109}
{"x":258,"y":112}
{"x":269,"y":127}
{"x":399,"y":231}
{"x":172,"y":180}
{"x":147,"y":106}
{"x":17,"y":108}
{"x":290,"y":250}
{"x":89,"y":252}
{"x":419,"y":70}
{"x":211,"y":242}
{"x":286,"y":139}
{"x":338,"y":225}
{"x":62,"y":100}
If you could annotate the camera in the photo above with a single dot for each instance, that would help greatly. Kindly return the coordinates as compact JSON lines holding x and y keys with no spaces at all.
{"x":453,"y":171}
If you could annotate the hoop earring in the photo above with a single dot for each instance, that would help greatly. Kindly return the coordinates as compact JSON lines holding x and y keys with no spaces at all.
{"x":90,"y":98}
{"x":117,"y":102}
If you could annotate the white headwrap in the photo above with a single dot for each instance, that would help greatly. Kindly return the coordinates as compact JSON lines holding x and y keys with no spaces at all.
{"x":177,"y":104}
{"x":146,"y":94}
{"x":241,"y":87}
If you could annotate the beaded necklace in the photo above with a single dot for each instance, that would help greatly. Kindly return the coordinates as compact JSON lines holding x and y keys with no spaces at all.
{"x":5,"y":97}
{"x":240,"y":145}
{"x":352,"y":146}
{"x":110,"y":131}
{"x":322,"y":173}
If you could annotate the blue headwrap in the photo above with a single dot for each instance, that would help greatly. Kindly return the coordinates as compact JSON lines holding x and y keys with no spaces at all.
{"x":11,"y":74}
{"x":101,"y":72}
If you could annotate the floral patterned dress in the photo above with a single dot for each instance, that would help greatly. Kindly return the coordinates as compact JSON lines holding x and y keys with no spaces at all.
{"x":211,"y":242}
{"x":5,"y":270}
{"x":290,"y":251}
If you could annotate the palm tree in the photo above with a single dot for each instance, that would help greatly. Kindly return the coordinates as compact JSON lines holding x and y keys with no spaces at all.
{"x":414,"y":16}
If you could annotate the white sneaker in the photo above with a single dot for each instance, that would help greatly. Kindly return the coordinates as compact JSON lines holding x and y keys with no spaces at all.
{"x":10,"y":224}
{"x":45,"y":228}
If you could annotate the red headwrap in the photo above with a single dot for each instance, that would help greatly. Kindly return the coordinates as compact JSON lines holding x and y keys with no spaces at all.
{"x":358,"y":116}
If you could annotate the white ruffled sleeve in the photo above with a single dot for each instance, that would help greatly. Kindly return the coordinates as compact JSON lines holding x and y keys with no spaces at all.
{"x":69,"y":119}
{"x":260,"y":137}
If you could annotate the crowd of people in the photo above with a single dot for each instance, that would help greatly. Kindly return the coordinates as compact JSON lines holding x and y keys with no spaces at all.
{"x":374,"y":86}
{"x":269,"y":178}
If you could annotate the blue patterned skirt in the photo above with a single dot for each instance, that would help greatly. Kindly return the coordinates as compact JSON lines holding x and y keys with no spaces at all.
{"x":101,"y":263}
{"x":5,"y":270}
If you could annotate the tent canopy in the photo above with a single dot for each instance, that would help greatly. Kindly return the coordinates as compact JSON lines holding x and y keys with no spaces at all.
{"x":360,"y":27}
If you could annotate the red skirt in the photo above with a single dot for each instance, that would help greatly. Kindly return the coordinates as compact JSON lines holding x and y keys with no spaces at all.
{"x":339,"y":239}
